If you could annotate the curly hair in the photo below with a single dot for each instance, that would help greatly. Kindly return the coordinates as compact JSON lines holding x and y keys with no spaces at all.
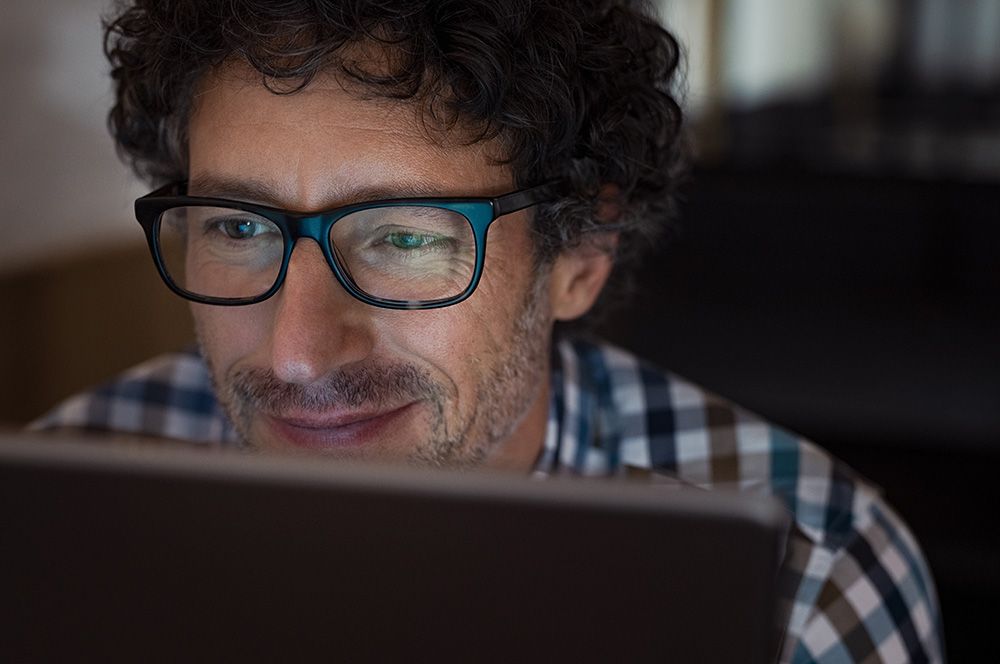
{"x":579,"y":90}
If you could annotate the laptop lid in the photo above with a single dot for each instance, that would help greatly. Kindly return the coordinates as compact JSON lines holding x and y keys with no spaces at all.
{"x":138,"y":552}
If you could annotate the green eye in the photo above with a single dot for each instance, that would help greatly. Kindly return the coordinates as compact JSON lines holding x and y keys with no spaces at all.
{"x":410,"y":240}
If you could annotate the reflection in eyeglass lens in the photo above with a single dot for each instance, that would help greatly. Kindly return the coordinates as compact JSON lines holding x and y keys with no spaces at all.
{"x":412,"y":253}
{"x":400,"y":252}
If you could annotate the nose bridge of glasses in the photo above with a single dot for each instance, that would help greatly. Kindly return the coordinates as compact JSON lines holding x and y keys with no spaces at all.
{"x":310,"y":226}
{"x":315,"y":227}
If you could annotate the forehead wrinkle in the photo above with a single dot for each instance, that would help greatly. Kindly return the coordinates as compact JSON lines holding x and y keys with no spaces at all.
{"x":276,"y":194}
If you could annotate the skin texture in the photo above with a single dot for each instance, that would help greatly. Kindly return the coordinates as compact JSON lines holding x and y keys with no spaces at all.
{"x":314,"y":369}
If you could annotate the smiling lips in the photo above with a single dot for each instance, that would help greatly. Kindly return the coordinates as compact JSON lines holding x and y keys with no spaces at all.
{"x":339,"y":430}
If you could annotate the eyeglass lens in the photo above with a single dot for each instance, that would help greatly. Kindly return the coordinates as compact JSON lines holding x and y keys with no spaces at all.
{"x":400,"y":252}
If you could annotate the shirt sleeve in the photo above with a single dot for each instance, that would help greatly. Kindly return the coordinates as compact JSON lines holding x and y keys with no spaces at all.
{"x":873,"y":600}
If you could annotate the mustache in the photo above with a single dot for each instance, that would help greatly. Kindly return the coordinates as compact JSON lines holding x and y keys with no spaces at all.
{"x":378,"y":384}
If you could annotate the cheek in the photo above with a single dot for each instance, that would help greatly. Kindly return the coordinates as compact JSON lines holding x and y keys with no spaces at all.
{"x":508,"y":275}
{"x":230,"y":334}
{"x":462,"y":343}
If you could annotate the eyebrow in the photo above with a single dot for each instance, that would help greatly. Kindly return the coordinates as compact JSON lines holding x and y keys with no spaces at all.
{"x":261,"y":192}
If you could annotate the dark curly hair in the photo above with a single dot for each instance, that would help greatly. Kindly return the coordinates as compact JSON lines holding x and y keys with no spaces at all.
{"x":581,"y":90}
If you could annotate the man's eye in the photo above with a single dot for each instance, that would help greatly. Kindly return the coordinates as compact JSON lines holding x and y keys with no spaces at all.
{"x":241,"y":229}
{"x":402,"y":240}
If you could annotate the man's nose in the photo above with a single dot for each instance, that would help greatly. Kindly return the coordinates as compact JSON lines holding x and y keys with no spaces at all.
{"x":318,"y":326}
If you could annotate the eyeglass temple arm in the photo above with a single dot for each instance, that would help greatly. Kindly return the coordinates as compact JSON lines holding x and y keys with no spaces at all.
{"x":527,"y":197}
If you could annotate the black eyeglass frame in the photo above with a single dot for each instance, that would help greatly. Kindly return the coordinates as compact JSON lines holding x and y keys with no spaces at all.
{"x":480,"y":212}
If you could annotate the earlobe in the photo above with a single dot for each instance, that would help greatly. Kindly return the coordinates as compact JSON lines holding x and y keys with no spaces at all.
{"x":578,"y":276}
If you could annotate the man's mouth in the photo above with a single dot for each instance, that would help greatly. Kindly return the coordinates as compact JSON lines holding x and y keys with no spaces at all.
{"x":338,"y":430}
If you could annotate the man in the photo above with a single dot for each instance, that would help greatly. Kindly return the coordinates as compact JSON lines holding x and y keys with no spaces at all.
{"x":331,"y":172}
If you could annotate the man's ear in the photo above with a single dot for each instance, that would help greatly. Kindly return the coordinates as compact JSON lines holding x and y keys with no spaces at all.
{"x":579,"y":274}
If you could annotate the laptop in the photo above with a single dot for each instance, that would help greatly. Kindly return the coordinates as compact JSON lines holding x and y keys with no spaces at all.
{"x":116,"y":552}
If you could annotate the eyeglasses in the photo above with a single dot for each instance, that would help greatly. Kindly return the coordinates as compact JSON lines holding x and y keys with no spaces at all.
{"x":407,"y":253}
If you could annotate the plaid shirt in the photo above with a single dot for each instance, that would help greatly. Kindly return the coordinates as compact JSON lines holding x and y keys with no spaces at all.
{"x":855,"y":585}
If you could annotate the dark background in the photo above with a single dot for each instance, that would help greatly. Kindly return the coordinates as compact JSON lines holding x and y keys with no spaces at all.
{"x":858,"y":304}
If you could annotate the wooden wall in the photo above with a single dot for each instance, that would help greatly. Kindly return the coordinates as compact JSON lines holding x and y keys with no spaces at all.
{"x":71,"y":323}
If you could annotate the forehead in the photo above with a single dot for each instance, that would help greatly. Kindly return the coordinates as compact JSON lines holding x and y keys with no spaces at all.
{"x":317,"y":147}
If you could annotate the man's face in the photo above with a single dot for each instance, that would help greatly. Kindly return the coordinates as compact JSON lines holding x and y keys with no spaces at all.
{"x":313,"y":368}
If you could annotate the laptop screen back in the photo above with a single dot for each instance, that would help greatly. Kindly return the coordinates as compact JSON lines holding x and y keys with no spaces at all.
{"x":128,"y":552}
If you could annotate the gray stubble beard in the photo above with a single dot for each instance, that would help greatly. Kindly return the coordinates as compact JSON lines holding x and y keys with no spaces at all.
{"x":506,"y":393}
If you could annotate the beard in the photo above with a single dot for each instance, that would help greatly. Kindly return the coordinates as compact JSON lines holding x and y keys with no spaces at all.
{"x":513,"y":368}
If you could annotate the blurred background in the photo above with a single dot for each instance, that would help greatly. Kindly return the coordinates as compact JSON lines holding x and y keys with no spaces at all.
{"x":836,"y":266}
